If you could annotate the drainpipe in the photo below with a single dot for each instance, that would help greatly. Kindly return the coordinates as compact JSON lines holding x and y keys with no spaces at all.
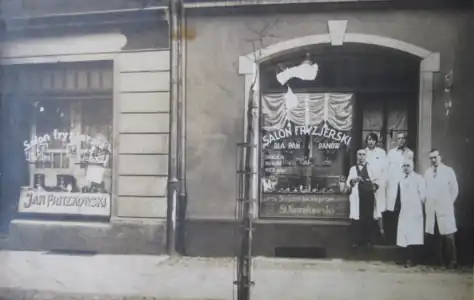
{"x":173,"y":183}
{"x":182,"y":204}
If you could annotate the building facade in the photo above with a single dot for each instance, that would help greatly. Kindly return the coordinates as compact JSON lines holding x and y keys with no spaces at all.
{"x":174,"y":105}
{"x":378,"y":70}
{"x":85,"y":111}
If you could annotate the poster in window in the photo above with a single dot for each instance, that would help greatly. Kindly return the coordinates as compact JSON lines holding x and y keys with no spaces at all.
{"x":305,"y":146}
{"x":68,"y":153}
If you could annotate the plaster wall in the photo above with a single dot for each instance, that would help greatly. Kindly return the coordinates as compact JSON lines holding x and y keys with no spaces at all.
{"x":215,"y":91}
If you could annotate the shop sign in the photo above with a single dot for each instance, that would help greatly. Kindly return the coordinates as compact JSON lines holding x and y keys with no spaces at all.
{"x":44,"y":202}
{"x":303,"y":205}
{"x":334,"y":137}
{"x":37,"y":148}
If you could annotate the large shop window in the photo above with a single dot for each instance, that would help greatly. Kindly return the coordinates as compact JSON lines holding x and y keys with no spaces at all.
{"x":305,"y":146}
{"x":63,"y":121}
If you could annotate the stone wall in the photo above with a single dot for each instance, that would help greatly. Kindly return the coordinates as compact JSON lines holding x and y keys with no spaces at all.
{"x":144,"y":133}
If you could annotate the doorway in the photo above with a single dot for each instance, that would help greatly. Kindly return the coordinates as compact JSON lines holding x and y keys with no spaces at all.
{"x":386,"y":114}
{"x":384,"y":83}
{"x":15,"y":117}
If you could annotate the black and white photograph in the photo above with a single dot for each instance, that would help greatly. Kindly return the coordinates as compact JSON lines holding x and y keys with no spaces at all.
{"x":236,"y":149}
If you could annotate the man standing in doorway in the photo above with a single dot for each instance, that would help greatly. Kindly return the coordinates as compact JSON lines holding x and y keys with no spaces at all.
{"x":362,"y":200}
{"x":410,"y":222}
{"x":377,"y":159}
{"x":395,"y":159}
{"x":442,"y":191}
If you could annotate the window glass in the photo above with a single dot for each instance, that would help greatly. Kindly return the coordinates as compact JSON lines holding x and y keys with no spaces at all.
{"x":70,"y":149}
{"x":305,"y":150}
{"x":59,"y":118}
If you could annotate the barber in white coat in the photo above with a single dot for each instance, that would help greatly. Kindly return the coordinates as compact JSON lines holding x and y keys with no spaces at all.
{"x":395,"y":159}
{"x":363,"y":210}
{"x":442,"y":191}
{"x":410,"y":221}
{"x":377,"y":159}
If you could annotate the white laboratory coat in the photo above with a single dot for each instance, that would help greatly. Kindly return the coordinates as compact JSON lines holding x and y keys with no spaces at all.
{"x":395,"y":158}
{"x":377,"y":158}
{"x":354,"y":196}
{"x":410,"y":220}
{"x":441,"y":193}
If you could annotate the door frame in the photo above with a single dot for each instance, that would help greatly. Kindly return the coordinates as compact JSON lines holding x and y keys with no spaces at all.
{"x":249,"y":67}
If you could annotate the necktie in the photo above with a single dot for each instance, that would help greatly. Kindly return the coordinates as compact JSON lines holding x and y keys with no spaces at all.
{"x":435,"y":171}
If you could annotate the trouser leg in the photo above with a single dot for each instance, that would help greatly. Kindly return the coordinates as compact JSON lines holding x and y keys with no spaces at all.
{"x":451,"y":250}
{"x":370,"y":231}
{"x":356,"y":232}
{"x":411,"y":254}
{"x":390,"y":226}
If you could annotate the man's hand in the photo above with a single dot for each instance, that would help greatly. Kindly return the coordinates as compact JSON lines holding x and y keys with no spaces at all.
{"x":376,"y":186}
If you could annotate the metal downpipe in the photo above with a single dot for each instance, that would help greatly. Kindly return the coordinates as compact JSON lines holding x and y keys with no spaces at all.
{"x":182,"y":203}
{"x":173,"y":183}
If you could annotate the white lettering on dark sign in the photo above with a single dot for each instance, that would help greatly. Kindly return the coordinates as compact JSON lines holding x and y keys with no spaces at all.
{"x":332,"y":134}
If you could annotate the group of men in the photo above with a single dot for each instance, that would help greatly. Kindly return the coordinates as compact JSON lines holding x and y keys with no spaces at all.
{"x":386,"y":191}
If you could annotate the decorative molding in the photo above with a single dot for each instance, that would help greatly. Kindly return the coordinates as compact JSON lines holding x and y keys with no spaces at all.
{"x":431,"y":63}
{"x":425,"y":102}
{"x":247,"y":62}
{"x":63,"y":45}
{"x":337,"y":30}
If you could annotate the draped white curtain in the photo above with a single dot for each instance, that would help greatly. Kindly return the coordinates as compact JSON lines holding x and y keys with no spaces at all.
{"x":307,"y":109}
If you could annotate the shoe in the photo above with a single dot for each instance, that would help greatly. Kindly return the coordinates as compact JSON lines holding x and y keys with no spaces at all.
{"x":409,"y":264}
{"x":453,"y":265}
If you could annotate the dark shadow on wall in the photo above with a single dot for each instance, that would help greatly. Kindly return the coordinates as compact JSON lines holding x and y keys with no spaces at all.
{"x":460,"y":138}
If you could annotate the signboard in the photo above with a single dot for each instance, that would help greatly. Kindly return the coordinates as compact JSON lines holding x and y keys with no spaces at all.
{"x":304,"y":205}
{"x":335,"y":138}
{"x":43,"y":202}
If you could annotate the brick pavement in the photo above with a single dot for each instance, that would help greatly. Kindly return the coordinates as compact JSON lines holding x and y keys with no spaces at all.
{"x":36,"y":275}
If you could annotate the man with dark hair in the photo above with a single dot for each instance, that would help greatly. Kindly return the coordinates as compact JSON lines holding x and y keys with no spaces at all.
{"x":395,"y":159}
{"x":377,"y":159}
{"x":441,"y":193}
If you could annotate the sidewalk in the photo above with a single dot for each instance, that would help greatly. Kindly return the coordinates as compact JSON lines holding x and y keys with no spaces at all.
{"x":39,"y":275}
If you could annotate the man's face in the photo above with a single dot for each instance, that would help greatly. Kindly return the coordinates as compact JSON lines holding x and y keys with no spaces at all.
{"x":435,"y":158}
{"x":370,"y":142}
{"x":401,"y":140}
{"x":361,"y":156}
{"x":407,"y":168}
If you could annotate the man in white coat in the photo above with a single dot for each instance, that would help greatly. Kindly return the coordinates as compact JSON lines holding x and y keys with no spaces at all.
{"x":363,"y":210}
{"x":377,"y":159}
{"x":395,"y":159}
{"x":442,"y":191}
{"x":410,"y":221}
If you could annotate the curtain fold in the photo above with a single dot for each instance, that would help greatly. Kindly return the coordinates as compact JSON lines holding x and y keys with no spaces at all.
{"x":312,"y":109}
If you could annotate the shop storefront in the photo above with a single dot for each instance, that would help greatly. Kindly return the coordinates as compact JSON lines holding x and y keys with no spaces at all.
{"x":317,"y":83}
{"x":61,"y":114}
{"x":310,"y":129}
{"x":86,"y":117}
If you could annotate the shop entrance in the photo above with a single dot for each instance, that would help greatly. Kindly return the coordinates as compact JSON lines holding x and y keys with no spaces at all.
{"x":372,"y":87}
